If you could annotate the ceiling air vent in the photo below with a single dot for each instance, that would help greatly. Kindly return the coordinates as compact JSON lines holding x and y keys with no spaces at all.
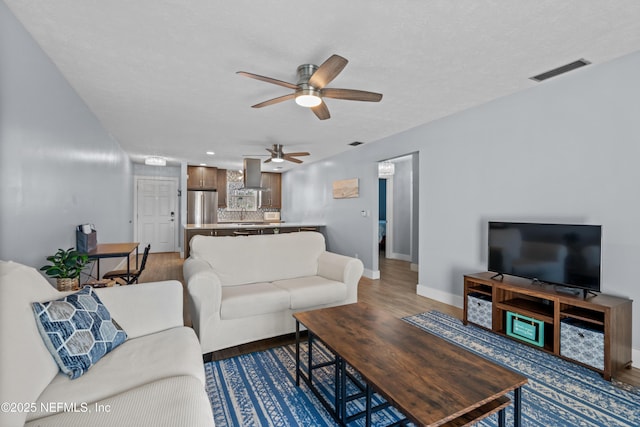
{"x":560,"y":70}
{"x":355,"y":143}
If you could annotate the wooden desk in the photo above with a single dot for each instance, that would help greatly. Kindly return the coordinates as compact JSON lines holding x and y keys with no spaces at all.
{"x":431,"y":381}
{"x":113,"y":250}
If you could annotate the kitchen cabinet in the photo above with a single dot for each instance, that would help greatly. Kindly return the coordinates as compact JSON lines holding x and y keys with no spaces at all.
{"x":202,"y":178}
{"x":272,"y":197}
{"x":222,"y":188}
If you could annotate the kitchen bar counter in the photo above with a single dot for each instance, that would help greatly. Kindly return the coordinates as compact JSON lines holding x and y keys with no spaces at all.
{"x":245,"y":228}
{"x":250,"y":224}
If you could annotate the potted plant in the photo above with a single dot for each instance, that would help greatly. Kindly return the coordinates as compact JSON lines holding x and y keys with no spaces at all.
{"x":66,"y":267}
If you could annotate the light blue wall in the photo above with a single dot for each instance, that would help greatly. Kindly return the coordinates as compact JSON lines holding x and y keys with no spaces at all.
{"x":58,"y":166}
{"x":158,"y":171}
{"x":565,"y":150}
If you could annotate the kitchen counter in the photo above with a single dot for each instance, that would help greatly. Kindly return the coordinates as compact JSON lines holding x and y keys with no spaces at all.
{"x":250,"y":224}
{"x":243,"y":228}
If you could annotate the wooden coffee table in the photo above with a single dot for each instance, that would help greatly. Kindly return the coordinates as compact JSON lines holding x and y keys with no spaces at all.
{"x":431,"y":381}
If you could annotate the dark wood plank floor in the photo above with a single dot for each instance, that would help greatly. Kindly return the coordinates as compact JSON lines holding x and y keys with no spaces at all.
{"x":394,"y":292}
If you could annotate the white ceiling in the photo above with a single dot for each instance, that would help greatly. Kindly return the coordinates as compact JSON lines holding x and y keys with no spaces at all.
{"x":160,"y":74}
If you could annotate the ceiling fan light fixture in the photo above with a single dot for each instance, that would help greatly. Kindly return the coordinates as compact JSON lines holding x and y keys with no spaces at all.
{"x":277,"y":159}
{"x":308,"y":98}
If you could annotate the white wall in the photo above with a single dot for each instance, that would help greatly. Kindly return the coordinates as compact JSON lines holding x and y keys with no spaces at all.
{"x":402,"y":212}
{"x":566,"y":150}
{"x":58,"y":166}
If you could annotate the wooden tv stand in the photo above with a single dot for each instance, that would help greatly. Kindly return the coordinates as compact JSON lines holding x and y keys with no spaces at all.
{"x":606,"y":313}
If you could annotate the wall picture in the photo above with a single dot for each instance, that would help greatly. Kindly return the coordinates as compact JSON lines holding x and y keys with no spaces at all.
{"x":345,"y":189}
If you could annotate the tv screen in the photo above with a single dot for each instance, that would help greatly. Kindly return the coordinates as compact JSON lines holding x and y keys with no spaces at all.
{"x":561,"y":254}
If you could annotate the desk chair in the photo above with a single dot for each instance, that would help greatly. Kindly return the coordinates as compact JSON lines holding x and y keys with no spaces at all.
{"x":129,"y":277}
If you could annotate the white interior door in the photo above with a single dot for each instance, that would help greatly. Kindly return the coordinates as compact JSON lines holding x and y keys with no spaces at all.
{"x":156,"y":214}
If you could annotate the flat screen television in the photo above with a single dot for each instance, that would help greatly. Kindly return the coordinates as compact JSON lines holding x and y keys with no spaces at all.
{"x":561,"y":254}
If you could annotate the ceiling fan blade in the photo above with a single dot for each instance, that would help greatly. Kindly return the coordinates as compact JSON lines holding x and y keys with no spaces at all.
{"x":267,"y":79}
{"x":268,"y":160}
{"x":327,"y":71}
{"x":291,"y":159}
{"x":351,"y":95}
{"x":275,"y":101}
{"x":273,"y":153}
{"x":321,"y":111}
{"x":297,"y":154}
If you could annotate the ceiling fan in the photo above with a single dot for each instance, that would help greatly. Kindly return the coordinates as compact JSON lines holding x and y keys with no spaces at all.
{"x":277,"y":155}
{"x":310,"y":88}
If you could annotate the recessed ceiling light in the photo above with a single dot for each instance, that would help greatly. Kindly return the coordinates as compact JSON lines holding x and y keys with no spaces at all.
{"x":203,"y":164}
{"x":211,"y":153}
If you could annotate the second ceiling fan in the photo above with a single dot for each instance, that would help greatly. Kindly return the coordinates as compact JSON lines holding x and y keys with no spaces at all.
{"x":277,"y":155}
{"x":311,"y":87}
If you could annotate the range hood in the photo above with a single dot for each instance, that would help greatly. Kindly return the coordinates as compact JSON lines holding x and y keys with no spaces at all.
{"x":252,"y":174}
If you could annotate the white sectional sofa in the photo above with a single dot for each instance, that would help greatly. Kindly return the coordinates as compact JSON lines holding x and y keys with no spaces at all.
{"x":156,"y":377}
{"x":246,"y":288}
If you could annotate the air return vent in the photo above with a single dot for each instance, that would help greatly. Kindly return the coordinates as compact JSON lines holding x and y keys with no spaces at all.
{"x":561,"y":70}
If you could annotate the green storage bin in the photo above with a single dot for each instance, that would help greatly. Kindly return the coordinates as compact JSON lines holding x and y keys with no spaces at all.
{"x":525,"y":328}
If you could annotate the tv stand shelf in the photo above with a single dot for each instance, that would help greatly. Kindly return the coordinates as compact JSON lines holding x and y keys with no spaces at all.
{"x":607,"y":315}
{"x":528,"y":308}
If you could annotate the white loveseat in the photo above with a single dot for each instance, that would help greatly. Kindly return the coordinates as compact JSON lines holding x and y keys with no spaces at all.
{"x":246,"y":288}
{"x":156,"y":377}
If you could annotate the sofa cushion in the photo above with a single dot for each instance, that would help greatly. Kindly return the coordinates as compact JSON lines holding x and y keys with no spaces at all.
{"x":312,"y":291}
{"x":26,"y":367}
{"x":138,"y":361}
{"x":77,"y":330}
{"x":262,"y":258}
{"x":176,"y":401}
{"x":252,"y":300}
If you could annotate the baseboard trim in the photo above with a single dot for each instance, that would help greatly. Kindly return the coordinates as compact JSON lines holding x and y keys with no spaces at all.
{"x":458,"y":301}
{"x":445,"y":297}
{"x":401,"y":257}
{"x":371,"y":274}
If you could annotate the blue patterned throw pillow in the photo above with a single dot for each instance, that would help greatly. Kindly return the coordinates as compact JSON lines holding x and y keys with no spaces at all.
{"x":78,"y":330}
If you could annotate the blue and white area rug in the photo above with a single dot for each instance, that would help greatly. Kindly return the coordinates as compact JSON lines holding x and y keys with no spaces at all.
{"x":259,"y":389}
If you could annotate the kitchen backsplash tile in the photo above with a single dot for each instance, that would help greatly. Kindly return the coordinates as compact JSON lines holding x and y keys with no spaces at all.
{"x":235,"y":184}
{"x":225,"y":215}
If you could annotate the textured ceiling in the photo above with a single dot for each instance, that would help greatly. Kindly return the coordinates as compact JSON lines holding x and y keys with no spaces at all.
{"x":160,"y":74}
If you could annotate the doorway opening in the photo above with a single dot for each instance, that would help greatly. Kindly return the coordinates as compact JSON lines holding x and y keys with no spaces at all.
{"x":398,"y":209}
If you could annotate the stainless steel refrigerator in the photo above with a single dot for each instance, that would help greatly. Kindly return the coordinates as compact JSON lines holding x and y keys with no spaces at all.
{"x":202,"y":207}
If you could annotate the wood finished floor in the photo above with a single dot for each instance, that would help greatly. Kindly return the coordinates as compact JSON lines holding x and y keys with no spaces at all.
{"x":394,"y":292}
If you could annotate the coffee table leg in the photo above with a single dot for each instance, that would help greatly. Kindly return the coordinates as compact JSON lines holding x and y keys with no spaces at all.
{"x":517,"y":407}
{"x":297,"y":353}
{"x":501,"y":418}
{"x":369,"y":394}
{"x":340,"y":389}
{"x":310,"y":357}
